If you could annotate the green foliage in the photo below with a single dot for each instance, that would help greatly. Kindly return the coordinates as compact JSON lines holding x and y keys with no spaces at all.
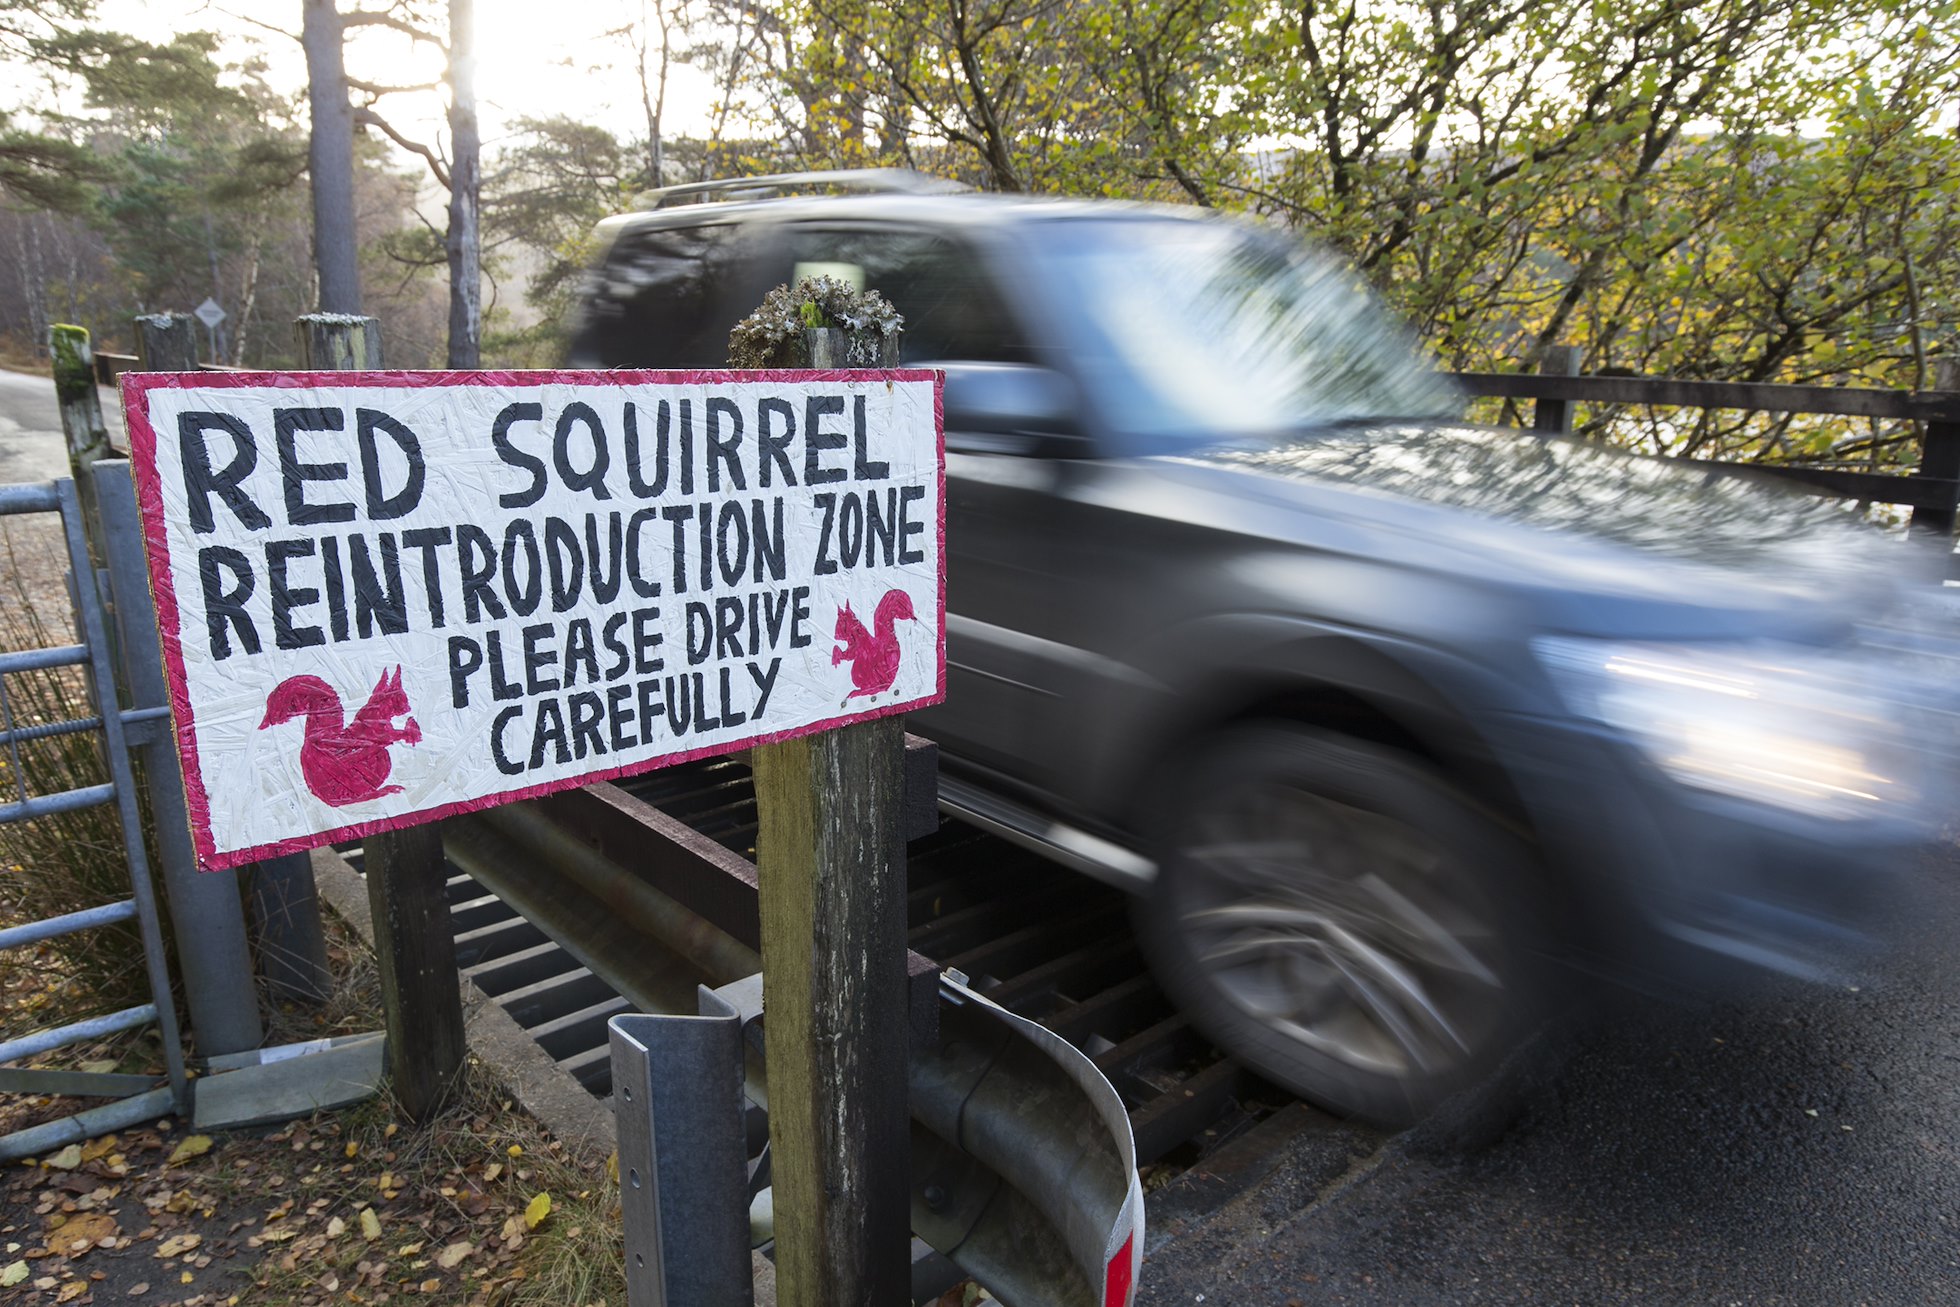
{"x":1754,"y":190}
{"x":44,"y":171}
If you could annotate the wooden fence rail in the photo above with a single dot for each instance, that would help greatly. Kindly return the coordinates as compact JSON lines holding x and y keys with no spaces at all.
{"x":1932,"y":490}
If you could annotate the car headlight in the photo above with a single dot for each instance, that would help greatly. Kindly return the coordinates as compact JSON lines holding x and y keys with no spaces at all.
{"x":1799,"y":729}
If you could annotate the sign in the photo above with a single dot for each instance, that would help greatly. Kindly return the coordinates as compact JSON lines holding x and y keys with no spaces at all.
{"x":209,"y":314}
{"x":388,"y":597}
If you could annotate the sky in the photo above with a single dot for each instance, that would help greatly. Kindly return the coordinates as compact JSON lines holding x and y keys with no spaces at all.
{"x":533,"y":60}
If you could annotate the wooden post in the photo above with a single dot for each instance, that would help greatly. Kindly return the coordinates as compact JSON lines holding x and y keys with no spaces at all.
{"x":338,"y":342}
{"x":415,"y":947}
{"x":830,"y":858}
{"x":1940,"y":457}
{"x":416,"y":953}
{"x":831,"y":867}
{"x":1553,"y":417}
{"x":81,"y":421}
{"x":166,"y":342}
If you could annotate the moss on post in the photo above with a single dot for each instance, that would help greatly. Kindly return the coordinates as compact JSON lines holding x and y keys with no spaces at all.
{"x":821,"y":322}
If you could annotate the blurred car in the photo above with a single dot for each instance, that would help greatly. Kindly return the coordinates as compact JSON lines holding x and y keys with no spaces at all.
{"x":1389,"y":721}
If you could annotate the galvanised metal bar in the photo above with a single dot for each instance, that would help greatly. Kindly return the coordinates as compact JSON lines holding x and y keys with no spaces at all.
{"x":34,"y":660}
{"x":29,"y":497}
{"x":73,"y":1084}
{"x":42,"y":1139}
{"x":13,"y":749}
{"x":68,"y":923}
{"x":677,"y":1083}
{"x":45,"y":1041}
{"x":47,"y":730}
{"x":46,"y":805}
{"x":94,"y":633}
{"x":207,"y":916}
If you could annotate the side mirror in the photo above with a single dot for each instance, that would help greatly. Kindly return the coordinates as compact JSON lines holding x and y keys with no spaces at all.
{"x":1012,"y":408}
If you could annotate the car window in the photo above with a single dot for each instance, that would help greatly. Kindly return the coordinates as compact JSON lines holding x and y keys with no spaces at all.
{"x":952,"y":309}
{"x":668,"y":297}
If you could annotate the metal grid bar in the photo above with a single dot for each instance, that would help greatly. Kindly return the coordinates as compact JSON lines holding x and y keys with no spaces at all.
{"x":88,"y":1125}
{"x":73,"y":1084}
{"x":95,"y":635}
{"x":34,"y":660}
{"x":48,"y":730}
{"x":46,"y":1041}
{"x":47,"y":805}
{"x":13,"y":749}
{"x":92,"y":653}
{"x":67,"y":924}
{"x":29,"y":497}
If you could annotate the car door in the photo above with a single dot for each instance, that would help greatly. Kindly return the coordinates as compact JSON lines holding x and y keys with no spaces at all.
{"x":999,"y":510}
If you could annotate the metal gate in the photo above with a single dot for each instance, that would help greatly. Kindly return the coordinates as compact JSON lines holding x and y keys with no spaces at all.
{"x":139,"y":1098}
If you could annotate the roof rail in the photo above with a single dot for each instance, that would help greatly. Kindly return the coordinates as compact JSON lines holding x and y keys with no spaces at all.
{"x":874,"y":181}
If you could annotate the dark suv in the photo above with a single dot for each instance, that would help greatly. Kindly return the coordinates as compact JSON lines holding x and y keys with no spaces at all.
{"x":1388,"y":720}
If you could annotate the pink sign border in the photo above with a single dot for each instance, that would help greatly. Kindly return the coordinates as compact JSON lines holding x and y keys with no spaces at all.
{"x":136,"y":387}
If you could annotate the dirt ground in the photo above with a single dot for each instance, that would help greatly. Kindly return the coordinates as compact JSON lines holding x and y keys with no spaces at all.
{"x":478,"y":1206}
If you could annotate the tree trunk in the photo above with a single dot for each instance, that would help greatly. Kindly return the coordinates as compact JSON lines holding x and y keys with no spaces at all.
{"x":464,"y":239}
{"x":330,"y":159}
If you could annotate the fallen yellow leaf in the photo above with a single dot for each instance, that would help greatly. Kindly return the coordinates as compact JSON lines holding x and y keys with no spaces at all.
{"x":430,"y":1286}
{"x":178,"y":1244}
{"x":370,"y":1224}
{"x":190,"y":1146}
{"x":448,"y":1258}
{"x":353,"y":1149}
{"x":65,"y":1160}
{"x":515,"y":1150}
{"x":492,"y":1171}
{"x":336,"y":1227}
{"x":12,"y":1273}
{"x":536,"y":1210}
{"x":72,"y":1290}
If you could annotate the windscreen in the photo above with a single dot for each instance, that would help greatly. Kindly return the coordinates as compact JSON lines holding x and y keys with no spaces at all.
{"x":1194,"y":332}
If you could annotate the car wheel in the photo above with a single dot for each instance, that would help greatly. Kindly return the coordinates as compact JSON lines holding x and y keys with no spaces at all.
{"x":1336,"y":916}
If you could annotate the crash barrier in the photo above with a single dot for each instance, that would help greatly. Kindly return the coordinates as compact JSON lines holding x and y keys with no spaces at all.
{"x":1932,"y":490}
{"x":138,"y":1097}
{"x":1023,"y":1167}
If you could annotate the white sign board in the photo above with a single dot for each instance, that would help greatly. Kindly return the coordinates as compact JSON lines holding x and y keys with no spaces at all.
{"x":209,"y":313}
{"x":387,"y":597}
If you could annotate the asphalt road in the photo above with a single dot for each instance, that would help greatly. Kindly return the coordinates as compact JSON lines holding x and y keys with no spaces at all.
{"x":31,"y":445}
{"x":1797,"y":1147}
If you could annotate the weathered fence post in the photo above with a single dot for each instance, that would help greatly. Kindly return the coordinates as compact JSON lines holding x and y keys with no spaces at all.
{"x":166,"y":342}
{"x":415,"y":948}
{"x":81,"y":420}
{"x":1940,"y":457}
{"x":1553,"y":417}
{"x":830,"y":859}
{"x":207,"y":921}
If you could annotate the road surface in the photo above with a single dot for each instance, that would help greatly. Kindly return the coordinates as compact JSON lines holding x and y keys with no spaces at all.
{"x":1801,"y":1147}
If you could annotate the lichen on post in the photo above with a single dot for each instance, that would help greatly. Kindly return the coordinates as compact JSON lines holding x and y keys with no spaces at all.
{"x":820,"y":322}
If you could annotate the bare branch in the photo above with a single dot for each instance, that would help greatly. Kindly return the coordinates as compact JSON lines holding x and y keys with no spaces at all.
{"x":377,"y":89}
{"x":247,"y":18}
{"x":366,"y":117}
{"x":369,"y":18}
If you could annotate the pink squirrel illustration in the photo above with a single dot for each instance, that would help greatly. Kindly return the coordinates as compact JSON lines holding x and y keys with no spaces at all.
{"x":873,"y":655}
{"x":344,"y":762}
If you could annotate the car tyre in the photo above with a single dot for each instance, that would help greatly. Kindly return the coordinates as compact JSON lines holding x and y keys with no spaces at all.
{"x":1337,"y":916}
